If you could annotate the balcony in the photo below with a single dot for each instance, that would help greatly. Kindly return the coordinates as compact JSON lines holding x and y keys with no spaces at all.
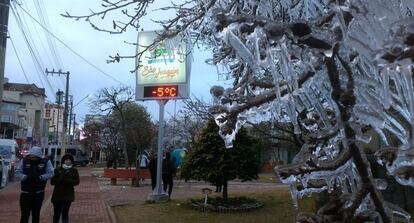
{"x":8,"y":119}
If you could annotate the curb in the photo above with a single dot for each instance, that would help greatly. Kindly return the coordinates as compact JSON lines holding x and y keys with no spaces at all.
{"x":110,"y":213}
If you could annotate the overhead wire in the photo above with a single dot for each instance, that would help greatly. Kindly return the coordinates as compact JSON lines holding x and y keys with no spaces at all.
{"x":72,"y":50}
{"x":42,"y":14}
{"x":32,"y":50}
{"x":44,"y":21}
{"x":21,"y":67}
{"x":51,"y":40}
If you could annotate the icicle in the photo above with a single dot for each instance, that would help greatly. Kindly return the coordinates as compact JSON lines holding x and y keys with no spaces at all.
{"x":318,"y":105}
{"x":275,"y":73}
{"x":287,"y":70}
{"x":410,"y":92}
{"x":293,"y":115}
{"x":386,"y":80}
{"x":294,"y":194}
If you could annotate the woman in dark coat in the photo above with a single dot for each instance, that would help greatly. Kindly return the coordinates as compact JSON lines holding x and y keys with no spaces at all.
{"x":64,"y":180}
{"x":168,"y":173}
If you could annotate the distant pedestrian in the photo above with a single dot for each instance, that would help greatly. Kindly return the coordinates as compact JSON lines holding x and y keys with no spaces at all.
{"x":168,"y":173}
{"x":33,"y":171}
{"x":153,"y":170}
{"x":65,"y":178}
{"x":109,"y":161}
{"x":219,"y":185}
{"x":143,"y":161}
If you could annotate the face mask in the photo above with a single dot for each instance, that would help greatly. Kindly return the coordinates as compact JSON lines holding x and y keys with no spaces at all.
{"x":66,"y":166}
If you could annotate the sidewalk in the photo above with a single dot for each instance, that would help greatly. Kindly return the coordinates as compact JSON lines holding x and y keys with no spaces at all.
{"x":88,"y":207}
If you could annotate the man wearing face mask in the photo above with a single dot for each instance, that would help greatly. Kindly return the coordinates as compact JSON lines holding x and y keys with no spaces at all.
{"x":33,"y":171}
{"x":64,"y":180}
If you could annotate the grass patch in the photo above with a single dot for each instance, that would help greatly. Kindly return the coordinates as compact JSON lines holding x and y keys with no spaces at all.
{"x":277,"y":208}
{"x":268,"y":178}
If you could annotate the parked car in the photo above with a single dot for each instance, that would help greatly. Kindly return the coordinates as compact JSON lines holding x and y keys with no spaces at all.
{"x":8,"y":151}
{"x":3,"y":173}
{"x":55,"y":152}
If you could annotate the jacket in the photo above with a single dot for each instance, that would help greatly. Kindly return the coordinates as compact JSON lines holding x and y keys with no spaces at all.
{"x":168,"y":168}
{"x":64,"y":181}
{"x":34,"y":174}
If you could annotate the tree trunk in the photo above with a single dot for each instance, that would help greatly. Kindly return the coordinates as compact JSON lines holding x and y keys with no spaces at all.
{"x":137,"y":169}
{"x":225,"y":193}
{"x":124,"y":147}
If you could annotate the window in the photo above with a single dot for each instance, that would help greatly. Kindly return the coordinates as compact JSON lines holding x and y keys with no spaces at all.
{"x":6,"y":152}
{"x":6,"y":118}
{"x":9,"y":107}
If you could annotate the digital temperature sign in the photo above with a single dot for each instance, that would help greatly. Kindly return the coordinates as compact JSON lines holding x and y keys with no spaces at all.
{"x":161,"y":91}
{"x":163,"y":69}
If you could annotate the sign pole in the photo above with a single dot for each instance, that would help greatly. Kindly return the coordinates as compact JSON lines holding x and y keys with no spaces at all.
{"x":159,"y":195}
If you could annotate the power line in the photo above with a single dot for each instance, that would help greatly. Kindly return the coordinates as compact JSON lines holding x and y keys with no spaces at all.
{"x":44,"y":20}
{"x":32,"y":51}
{"x":73,"y":51}
{"x":21,"y":67}
{"x":41,"y":12}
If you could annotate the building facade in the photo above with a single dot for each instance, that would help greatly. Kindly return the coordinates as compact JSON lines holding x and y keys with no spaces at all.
{"x":54,"y":118}
{"x":23,"y":106}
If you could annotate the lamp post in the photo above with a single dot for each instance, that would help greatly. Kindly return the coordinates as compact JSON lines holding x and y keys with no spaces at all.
{"x":59,"y":95}
{"x":71,"y":114}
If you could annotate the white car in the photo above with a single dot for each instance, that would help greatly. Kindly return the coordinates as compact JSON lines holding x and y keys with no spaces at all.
{"x":3,"y":173}
{"x":8,"y":149}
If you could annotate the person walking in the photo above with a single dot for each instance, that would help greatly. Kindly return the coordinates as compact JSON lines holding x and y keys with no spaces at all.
{"x":143,"y":162}
{"x":153,"y":170}
{"x":33,"y":171}
{"x":65,"y":178}
{"x":168,"y":172}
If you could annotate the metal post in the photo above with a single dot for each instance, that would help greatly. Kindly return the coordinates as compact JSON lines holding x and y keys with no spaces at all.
{"x":66,"y":111}
{"x":70,"y":117}
{"x":57,"y":126}
{"x":4,"y":20}
{"x":74,"y":126}
{"x":159,"y":195}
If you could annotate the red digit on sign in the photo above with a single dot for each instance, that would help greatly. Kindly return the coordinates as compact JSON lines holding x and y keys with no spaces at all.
{"x":160,"y":91}
{"x":173,"y":91}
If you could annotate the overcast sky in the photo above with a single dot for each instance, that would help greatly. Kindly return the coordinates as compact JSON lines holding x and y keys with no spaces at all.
{"x":92,"y":45}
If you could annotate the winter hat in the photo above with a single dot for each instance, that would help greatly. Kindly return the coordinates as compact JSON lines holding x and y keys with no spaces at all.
{"x":67,"y":156}
{"x":35,"y":151}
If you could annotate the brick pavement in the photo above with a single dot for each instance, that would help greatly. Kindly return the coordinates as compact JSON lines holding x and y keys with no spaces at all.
{"x":95,"y":192}
{"x":88,"y":207}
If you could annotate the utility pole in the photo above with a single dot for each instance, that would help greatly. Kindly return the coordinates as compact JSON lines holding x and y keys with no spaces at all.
{"x":4,"y":21}
{"x":66,"y":111}
{"x":70,"y":117}
{"x":58,"y":101}
{"x":74,"y":127}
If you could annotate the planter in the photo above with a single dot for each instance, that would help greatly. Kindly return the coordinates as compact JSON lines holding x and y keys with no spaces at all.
{"x":245,"y":205}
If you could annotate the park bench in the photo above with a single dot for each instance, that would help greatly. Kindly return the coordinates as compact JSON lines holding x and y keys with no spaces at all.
{"x":114,"y":174}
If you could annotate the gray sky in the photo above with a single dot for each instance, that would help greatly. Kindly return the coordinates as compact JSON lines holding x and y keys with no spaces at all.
{"x":92,"y":45}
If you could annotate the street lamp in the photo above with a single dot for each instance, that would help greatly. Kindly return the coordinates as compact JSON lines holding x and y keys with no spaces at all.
{"x":59,"y":95}
{"x":71,"y":114}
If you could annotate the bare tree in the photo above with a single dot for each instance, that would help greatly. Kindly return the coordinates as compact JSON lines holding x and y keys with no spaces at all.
{"x":113,"y":101}
{"x":330,"y":68}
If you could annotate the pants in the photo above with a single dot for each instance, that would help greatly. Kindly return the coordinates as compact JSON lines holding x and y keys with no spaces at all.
{"x":168,"y":182}
{"x":31,"y":202}
{"x":153,"y":180}
{"x":61,"y":208}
